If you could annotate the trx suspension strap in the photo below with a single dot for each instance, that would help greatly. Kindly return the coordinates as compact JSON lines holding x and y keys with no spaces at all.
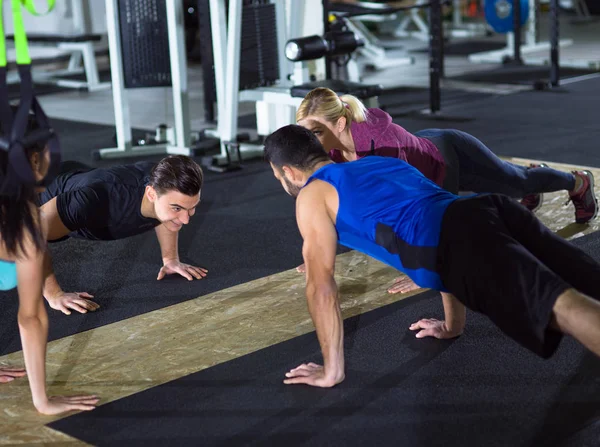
{"x":13,"y":137}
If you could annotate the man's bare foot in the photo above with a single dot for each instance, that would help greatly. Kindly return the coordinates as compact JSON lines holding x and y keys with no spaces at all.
{"x":301,"y":268}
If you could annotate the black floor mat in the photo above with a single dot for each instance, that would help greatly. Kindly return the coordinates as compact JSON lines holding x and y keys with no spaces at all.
{"x":522,"y":75}
{"x":465,"y":48}
{"x":560,"y":126}
{"x":481,"y":389}
{"x":404,"y":100}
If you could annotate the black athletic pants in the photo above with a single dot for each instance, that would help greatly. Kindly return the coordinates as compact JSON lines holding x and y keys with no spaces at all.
{"x":497,"y":258}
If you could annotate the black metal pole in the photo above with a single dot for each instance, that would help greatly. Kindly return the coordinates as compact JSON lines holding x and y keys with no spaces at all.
{"x":554,"y":44}
{"x":208,"y":61}
{"x":326,"y":29}
{"x":441,"y":50}
{"x":516,"y":7}
{"x":435,"y":42}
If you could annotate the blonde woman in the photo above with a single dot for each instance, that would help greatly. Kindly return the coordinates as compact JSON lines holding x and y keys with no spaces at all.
{"x":453,"y":159}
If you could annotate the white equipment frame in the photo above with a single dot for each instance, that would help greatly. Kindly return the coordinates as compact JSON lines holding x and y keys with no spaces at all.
{"x":180,"y":141}
{"x":275,"y":106}
{"x":81,"y":52}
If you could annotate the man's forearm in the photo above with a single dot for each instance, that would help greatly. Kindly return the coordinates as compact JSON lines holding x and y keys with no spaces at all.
{"x":324,"y":308}
{"x":455,"y":313}
{"x":168,"y":244}
{"x":51,"y":286}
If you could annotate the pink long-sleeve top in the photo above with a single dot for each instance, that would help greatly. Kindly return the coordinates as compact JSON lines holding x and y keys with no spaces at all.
{"x":378,"y":135}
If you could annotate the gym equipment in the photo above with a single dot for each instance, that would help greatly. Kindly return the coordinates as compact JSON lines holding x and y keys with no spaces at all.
{"x":334,"y":43}
{"x":276,"y":100}
{"x":436,"y":56}
{"x":532,"y":44}
{"x":259,"y":64}
{"x":373,"y":52}
{"x":208,"y":61}
{"x":272,"y":101}
{"x":191,"y":25}
{"x":136,"y":64}
{"x":499,"y":14}
{"x":337,"y":45}
{"x":552,"y":81}
{"x":14,"y":140}
{"x":81,"y":43}
{"x":144,"y":45}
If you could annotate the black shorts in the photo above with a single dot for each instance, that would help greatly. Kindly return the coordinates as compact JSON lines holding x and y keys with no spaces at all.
{"x":498,"y":259}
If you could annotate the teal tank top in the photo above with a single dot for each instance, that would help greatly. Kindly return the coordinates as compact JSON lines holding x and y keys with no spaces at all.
{"x":8,"y":275}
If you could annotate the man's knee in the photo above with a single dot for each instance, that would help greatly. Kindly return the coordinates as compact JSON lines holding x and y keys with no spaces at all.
{"x":568,"y":307}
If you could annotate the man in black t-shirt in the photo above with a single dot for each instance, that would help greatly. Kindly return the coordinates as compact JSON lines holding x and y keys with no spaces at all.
{"x":118,"y":202}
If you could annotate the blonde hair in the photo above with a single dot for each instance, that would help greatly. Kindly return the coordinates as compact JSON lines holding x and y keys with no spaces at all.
{"x":325,"y":103}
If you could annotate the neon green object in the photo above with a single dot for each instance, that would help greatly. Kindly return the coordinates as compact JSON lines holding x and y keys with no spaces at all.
{"x":19,"y":29}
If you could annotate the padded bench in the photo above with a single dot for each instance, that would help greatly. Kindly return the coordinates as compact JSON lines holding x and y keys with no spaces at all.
{"x":82,"y":51}
{"x":58,"y":38}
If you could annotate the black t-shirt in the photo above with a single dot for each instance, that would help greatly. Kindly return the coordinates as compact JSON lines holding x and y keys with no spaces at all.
{"x":103,"y":203}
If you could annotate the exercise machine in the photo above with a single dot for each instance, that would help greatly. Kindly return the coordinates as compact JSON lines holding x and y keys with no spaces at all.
{"x":514,"y":41}
{"x":147,"y":49}
{"x":81,"y":43}
{"x":280,"y":85}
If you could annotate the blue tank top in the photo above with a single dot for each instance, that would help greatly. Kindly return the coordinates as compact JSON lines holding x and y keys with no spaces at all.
{"x":390,"y":211}
{"x":8,"y":275}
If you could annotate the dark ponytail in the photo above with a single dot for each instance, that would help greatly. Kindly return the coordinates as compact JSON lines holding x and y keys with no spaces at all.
{"x":19,"y":216}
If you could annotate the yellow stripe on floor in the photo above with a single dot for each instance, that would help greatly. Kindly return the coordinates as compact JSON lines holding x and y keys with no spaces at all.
{"x":132,"y":355}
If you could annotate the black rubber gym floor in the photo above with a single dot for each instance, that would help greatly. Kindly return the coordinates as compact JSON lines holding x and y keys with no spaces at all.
{"x":479,"y":388}
{"x":401,"y":101}
{"x":557,"y":125}
{"x":522,"y":75}
{"x":458,"y":48}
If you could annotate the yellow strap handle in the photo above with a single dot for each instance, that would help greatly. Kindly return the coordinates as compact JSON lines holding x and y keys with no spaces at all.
{"x":19,"y":33}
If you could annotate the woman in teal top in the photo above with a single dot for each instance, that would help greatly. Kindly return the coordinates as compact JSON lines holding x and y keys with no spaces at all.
{"x":22,"y":246}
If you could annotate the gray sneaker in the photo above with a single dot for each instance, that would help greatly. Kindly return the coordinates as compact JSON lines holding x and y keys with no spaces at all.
{"x":585,"y":200}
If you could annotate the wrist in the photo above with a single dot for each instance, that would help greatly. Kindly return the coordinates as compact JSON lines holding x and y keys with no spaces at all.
{"x":40,"y":402}
{"x":334,"y":374}
{"x":53,"y":294}
{"x":170,"y":259}
{"x":454,"y":328}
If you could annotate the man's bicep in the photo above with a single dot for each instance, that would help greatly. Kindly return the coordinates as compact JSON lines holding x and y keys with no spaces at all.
{"x":320,"y":242}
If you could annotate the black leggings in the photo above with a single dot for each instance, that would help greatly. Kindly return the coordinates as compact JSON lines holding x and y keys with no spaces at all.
{"x":472,"y":166}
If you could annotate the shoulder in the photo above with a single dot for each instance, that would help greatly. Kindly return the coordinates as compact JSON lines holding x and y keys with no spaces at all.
{"x":316,"y":190}
{"x":318,"y":197}
{"x":145,"y":165}
{"x":311,"y":195}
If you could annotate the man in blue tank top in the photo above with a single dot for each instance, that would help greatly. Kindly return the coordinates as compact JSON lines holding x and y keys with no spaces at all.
{"x":485,"y":252}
